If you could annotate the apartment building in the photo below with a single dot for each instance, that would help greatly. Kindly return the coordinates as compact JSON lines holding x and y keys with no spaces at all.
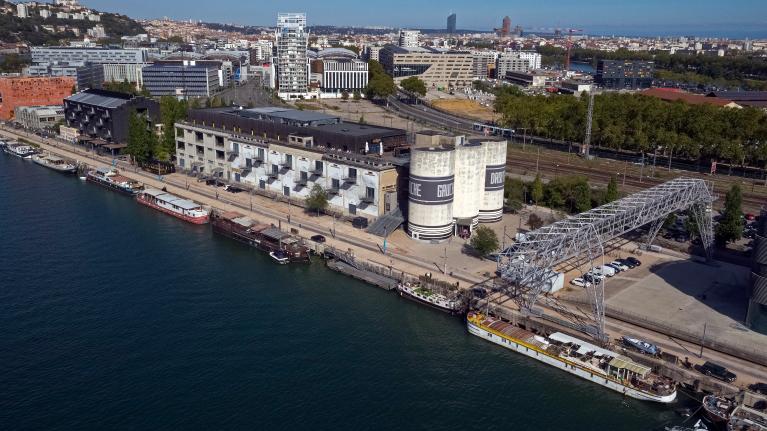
{"x":104,"y":115}
{"x":437,"y":68}
{"x":183,"y":79}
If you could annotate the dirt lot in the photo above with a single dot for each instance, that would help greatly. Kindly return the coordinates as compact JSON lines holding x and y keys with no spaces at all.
{"x":465,"y":108}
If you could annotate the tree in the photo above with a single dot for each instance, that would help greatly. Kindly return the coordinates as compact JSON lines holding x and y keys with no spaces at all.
{"x":730,"y":227}
{"x":414,"y":85}
{"x":317,"y":199}
{"x":171,"y":111}
{"x":612,"y":190}
{"x":357,"y":95}
{"x":141,"y":139}
{"x":484,"y":240}
{"x":534,"y":221}
{"x":344,"y":95}
{"x":536,"y":190}
{"x":380,"y":84}
{"x":362,"y":119}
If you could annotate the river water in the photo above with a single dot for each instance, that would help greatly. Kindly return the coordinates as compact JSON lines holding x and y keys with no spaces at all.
{"x":114,"y":316}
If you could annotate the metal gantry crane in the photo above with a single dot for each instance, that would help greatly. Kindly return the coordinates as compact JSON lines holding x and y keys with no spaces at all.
{"x":530,"y":266}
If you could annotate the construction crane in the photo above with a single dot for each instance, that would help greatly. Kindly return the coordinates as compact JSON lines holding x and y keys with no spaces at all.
{"x":570,"y":32}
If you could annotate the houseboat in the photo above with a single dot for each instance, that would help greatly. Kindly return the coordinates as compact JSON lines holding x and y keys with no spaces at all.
{"x":111,"y":179}
{"x":428,"y":297}
{"x":56,"y":163}
{"x":282,"y":247}
{"x":23,"y":151}
{"x":184,"y":209}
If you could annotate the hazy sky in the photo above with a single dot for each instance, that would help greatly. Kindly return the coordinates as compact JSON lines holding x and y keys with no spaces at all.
{"x":595,"y":16}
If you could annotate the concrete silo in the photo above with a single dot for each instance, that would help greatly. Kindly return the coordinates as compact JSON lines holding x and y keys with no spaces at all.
{"x":469,"y":185}
{"x":491,"y":208}
{"x":430,"y":193}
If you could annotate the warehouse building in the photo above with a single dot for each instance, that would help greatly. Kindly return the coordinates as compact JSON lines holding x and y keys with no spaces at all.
{"x":39,"y":117}
{"x":286,"y":152}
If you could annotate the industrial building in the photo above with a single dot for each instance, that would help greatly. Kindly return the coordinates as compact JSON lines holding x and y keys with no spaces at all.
{"x":286,"y":152}
{"x":292,"y":39}
{"x":454,"y":184}
{"x":39,"y":117}
{"x":437,"y":68}
{"x":620,"y":75}
{"x":531,"y":79}
{"x":25,"y":91}
{"x":181,"y":79}
{"x":102,"y":116}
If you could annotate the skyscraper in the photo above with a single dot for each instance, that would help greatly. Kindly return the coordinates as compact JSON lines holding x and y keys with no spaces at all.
{"x":292,"y":62}
{"x":505,"y":29}
{"x":451,"y":23}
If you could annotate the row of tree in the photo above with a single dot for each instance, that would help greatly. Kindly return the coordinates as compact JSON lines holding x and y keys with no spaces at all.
{"x":636,"y":122}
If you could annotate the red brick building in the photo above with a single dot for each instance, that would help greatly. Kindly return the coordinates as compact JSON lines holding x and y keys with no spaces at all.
{"x":27,"y":91}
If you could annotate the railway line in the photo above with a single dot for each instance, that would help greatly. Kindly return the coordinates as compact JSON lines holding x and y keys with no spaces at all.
{"x":629,"y":180}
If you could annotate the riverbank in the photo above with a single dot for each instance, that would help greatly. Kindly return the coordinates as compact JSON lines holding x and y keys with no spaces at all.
{"x":284,"y":215}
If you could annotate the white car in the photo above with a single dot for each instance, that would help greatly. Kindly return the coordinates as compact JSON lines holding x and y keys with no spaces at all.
{"x":607,"y":270}
{"x":596,"y":273}
{"x":618,"y":265}
{"x":580,"y":282}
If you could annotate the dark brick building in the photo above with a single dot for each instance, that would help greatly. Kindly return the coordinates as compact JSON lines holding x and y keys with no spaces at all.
{"x":101,"y":114}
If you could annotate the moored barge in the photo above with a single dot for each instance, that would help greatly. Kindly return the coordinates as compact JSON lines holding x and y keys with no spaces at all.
{"x":111,"y":179}
{"x":422,"y":295}
{"x":56,"y":163}
{"x":580,"y":358}
{"x":183,"y":209}
{"x":264,"y":237}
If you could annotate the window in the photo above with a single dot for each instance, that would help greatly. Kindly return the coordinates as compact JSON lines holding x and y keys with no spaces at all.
{"x":352,"y":173}
{"x":275,"y":169}
{"x":198,"y":136}
{"x":288,"y":160}
{"x":370,"y":192}
{"x":180,"y":145}
{"x":318,"y":166}
{"x":179,"y":131}
{"x":335,"y":184}
{"x":220,"y":140}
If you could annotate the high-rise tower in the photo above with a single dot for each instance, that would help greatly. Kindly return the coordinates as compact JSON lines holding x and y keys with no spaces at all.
{"x":292,"y":62}
{"x":451,"y":23}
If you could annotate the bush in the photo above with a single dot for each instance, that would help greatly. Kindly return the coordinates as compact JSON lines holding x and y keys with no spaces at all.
{"x":484,"y":240}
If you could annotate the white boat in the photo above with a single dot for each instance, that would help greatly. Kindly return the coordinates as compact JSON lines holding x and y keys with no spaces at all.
{"x":111,"y":179}
{"x":20,"y":150}
{"x":580,"y":358}
{"x":280,"y":257}
{"x":428,"y":297}
{"x":173,"y":205}
{"x":56,"y":163}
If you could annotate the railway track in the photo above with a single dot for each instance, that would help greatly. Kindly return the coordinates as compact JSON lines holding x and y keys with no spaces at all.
{"x":751,"y":201}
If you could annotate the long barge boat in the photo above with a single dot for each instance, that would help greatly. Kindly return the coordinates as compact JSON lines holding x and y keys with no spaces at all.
{"x":577,"y":357}
{"x":167,"y":203}
{"x":111,"y":179}
{"x":422,"y":295}
{"x":20,"y":150}
{"x":267,"y":238}
{"x":55,"y":163}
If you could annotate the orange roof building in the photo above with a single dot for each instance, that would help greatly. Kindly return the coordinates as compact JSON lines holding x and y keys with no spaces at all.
{"x":32,"y":91}
{"x":674,"y":94}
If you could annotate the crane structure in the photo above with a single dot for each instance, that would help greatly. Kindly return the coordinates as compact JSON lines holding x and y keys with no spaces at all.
{"x":569,"y":45}
{"x":589,"y":120}
{"x":529,"y":267}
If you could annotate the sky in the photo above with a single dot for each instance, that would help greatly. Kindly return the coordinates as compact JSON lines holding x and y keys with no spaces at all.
{"x":736,"y":18}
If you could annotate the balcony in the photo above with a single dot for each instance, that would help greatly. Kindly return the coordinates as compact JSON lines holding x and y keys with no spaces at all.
{"x":368,"y":199}
{"x":350,"y":180}
{"x":302,"y":181}
{"x":273,"y":174}
{"x":333,"y":190}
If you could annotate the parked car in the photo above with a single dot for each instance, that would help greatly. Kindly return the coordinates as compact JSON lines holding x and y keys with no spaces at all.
{"x":596,"y":272}
{"x":717,"y":371}
{"x":607,"y":270}
{"x":233,"y":189}
{"x":759,"y":388}
{"x":593,"y":278}
{"x":318,"y":238}
{"x":580,"y":282}
{"x":632,"y":262}
{"x":619,"y":265}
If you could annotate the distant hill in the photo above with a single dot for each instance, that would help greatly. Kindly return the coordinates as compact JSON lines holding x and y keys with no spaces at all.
{"x":29,"y":30}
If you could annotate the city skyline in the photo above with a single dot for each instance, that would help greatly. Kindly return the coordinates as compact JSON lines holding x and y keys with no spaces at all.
{"x":599,"y":17}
